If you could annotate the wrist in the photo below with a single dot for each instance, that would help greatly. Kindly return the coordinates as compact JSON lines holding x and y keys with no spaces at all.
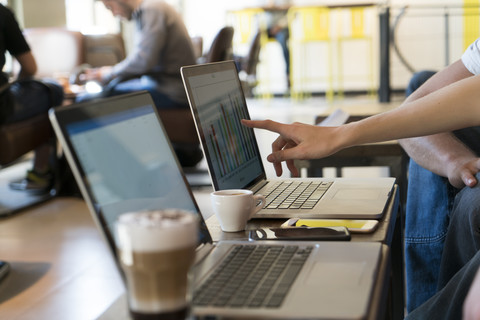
{"x":453,"y":162}
{"x":346,"y":136}
{"x":106,"y":74}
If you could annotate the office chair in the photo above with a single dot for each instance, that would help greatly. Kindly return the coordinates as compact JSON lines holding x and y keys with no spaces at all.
{"x":248,"y":71}
{"x":221,"y":48}
{"x":104,"y":49}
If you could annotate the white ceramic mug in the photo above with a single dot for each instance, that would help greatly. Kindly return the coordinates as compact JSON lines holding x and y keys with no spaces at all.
{"x":234,"y":207}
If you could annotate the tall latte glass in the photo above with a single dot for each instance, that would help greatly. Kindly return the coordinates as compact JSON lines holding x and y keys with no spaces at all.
{"x":156,"y":250}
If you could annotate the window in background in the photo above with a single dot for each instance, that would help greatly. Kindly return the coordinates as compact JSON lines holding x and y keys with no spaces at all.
{"x":90,"y":17}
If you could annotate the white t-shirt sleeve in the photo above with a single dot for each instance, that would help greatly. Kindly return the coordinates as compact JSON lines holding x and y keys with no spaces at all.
{"x":471,"y":57}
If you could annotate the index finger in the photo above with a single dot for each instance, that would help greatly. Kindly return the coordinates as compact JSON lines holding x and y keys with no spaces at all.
{"x":264,"y":124}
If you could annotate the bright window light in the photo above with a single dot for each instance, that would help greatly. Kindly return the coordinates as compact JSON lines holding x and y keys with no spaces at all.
{"x":90,"y":17}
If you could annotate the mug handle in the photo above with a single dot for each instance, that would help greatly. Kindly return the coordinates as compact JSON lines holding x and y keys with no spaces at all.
{"x":260,"y":202}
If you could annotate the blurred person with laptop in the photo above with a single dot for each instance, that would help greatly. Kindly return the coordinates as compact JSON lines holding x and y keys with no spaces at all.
{"x":161,"y":46}
{"x":25,"y":98}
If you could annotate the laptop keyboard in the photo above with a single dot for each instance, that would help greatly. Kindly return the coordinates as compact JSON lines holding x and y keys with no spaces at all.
{"x":295,"y":195}
{"x":253,"y":277}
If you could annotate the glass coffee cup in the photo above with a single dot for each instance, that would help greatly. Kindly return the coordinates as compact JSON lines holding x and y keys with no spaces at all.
{"x":156,"y":250}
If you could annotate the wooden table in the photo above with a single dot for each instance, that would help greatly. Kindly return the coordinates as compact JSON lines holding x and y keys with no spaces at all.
{"x":388,"y":232}
{"x":63,"y":269}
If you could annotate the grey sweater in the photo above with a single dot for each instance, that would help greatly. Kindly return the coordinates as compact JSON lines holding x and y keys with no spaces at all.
{"x":162,"y":46}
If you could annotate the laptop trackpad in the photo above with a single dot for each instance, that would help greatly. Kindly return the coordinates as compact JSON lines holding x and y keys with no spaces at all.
{"x":357,"y":194}
{"x":346,"y":274}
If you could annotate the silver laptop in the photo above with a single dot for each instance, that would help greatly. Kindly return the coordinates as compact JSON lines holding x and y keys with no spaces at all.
{"x":231,"y":150}
{"x":122,"y":160}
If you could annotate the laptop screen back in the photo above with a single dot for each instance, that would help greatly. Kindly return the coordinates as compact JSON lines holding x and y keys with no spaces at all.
{"x":217,"y":99}
{"x":124,"y":159}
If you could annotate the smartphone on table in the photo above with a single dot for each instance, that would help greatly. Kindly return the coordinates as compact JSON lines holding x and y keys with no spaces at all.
{"x":355,"y":226}
{"x":301,"y":233}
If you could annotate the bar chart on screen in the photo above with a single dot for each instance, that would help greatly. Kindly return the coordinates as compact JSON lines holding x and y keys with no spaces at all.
{"x":231,"y":143}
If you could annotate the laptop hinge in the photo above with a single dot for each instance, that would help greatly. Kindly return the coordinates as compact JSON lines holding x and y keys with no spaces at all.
{"x":202,"y":251}
{"x":259,"y":186}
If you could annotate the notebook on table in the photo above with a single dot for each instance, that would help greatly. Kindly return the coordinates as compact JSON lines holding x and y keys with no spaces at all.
{"x":122,"y":161}
{"x":218,"y":104}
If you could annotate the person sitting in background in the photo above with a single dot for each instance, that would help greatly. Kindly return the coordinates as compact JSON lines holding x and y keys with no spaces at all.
{"x":440,"y":166}
{"x":161,"y":46}
{"x":25,"y":98}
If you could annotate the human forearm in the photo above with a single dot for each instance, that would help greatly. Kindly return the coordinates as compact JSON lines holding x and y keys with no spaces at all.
{"x":441,"y":106}
{"x":428,"y":115}
{"x":425,"y":116}
{"x":28,"y":65}
{"x":446,"y":156}
{"x":436,"y":153}
{"x":441,"y":153}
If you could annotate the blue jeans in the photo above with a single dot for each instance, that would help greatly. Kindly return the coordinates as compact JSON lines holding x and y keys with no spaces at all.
{"x":428,"y":204}
{"x":417,"y":80}
{"x":460,"y":259}
{"x":161,"y":100}
{"x":430,"y":199}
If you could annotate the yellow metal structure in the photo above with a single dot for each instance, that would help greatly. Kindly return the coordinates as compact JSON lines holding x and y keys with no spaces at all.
{"x":471,"y":21}
{"x":356,"y":32}
{"x":308,"y":25}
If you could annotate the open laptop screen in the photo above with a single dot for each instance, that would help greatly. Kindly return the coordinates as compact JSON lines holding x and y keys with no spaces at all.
{"x":219,"y":104}
{"x":125,"y":159}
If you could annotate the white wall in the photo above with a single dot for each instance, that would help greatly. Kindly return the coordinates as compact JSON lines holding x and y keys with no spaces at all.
{"x":420,"y":37}
{"x":39,"y":13}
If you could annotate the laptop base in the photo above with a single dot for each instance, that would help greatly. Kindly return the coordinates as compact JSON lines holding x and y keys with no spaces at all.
{"x":12,"y":201}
